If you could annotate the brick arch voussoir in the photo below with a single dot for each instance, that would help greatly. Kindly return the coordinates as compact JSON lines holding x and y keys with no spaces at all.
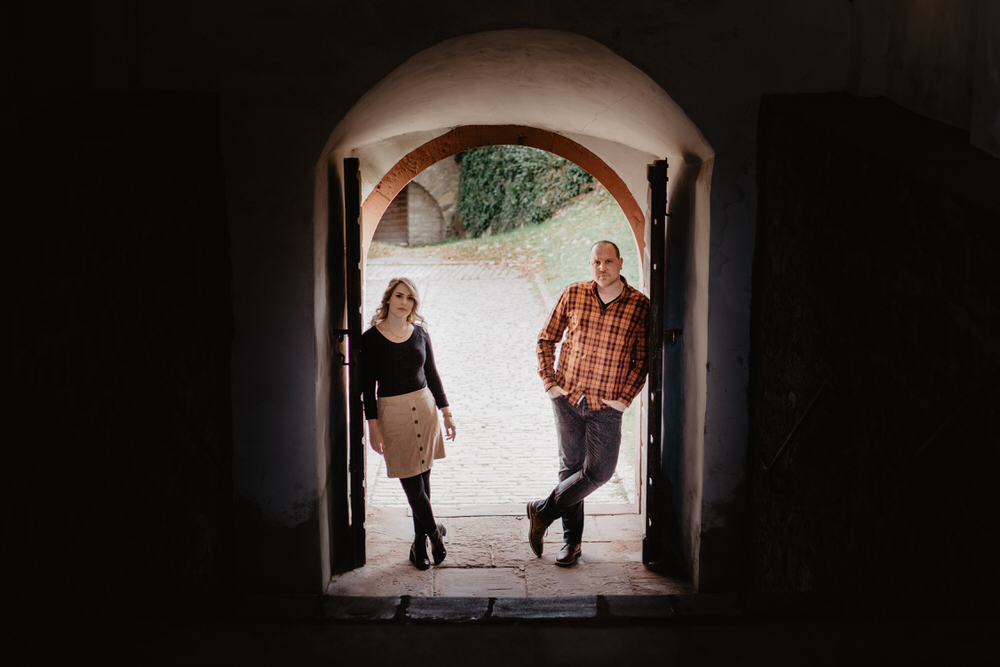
{"x":468,"y":137}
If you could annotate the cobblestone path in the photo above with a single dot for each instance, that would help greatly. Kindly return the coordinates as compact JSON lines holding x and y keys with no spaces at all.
{"x":483,"y":321}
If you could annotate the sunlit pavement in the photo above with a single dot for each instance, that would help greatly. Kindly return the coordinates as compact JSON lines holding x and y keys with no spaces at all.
{"x":483,"y":321}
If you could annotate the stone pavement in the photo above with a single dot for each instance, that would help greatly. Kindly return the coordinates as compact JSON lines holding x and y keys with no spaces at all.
{"x":483,"y":321}
{"x":489,"y":556}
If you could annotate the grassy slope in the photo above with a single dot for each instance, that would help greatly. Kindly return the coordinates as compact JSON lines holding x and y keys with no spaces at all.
{"x":558,"y":248}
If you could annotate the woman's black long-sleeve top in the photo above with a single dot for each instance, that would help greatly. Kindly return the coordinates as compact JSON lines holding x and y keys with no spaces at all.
{"x":397,"y":368}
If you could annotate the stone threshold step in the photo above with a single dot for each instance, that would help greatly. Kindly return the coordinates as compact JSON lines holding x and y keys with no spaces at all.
{"x":599,"y":609}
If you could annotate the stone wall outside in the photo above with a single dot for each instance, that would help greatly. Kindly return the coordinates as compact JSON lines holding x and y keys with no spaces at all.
{"x":393,"y":226}
{"x":426,"y":224}
{"x":441,"y":181}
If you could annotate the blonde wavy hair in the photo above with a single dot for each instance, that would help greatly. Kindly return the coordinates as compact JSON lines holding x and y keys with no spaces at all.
{"x":383,"y":310}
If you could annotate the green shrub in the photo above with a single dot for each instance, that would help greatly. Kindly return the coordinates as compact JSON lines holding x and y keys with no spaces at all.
{"x":506,"y":187}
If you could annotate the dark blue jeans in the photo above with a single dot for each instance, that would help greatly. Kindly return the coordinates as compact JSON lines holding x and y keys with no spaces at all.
{"x":589,"y":441}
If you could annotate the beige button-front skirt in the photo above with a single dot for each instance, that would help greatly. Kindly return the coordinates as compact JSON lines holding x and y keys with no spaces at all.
{"x":411,"y":432}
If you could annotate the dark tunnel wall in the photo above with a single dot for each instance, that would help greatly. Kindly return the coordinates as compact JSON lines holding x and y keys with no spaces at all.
{"x":875,"y":271}
{"x":118,"y":459}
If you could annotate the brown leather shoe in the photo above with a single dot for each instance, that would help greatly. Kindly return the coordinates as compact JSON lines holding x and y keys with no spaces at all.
{"x":536,"y":530}
{"x":568,"y":555}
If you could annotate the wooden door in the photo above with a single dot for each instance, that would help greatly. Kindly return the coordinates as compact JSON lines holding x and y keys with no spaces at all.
{"x":653,"y":538}
{"x":347,"y":447}
{"x":665,"y":425}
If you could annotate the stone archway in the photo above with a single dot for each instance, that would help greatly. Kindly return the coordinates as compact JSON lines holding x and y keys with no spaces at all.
{"x":563,"y":93}
{"x":474,"y":136}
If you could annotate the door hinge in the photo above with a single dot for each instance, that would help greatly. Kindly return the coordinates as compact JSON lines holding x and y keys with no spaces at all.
{"x":340,"y":334}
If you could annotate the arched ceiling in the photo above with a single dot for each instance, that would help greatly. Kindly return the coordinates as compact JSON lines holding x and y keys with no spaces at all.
{"x":555,"y":81}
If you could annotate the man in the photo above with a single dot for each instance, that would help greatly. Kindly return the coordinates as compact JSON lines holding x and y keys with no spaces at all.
{"x":602,"y":367}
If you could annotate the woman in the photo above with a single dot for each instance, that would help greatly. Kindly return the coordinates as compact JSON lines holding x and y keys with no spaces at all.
{"x":401,"y":389}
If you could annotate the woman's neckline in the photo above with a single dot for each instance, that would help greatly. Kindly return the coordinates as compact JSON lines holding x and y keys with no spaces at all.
{"x":397,"y":342}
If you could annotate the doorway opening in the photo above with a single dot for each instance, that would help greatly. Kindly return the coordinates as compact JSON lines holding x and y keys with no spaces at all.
{"x":507,"y":294}
{"x":485,"y":300}
{"x":582,"y":102}
{"x":486,"y":317}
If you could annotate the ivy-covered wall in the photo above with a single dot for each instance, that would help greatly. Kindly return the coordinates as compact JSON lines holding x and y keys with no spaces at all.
{"x":506,"y":187}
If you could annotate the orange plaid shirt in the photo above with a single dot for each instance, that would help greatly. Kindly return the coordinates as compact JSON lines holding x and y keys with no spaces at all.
{"x":603,"y":355}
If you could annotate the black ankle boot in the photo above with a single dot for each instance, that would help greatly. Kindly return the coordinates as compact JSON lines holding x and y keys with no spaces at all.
{"x":418,"y":552}
{"x":437,"y":544}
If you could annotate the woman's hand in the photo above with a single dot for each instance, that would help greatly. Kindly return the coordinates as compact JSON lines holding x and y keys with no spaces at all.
{"x":375,"y":436}
{"x":449,"y":427}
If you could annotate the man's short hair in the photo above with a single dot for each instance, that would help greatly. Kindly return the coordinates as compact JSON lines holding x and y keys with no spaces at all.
{"x":618,"y":254}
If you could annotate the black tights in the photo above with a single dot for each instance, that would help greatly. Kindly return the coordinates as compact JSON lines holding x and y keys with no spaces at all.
{"x":418,"y":493}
